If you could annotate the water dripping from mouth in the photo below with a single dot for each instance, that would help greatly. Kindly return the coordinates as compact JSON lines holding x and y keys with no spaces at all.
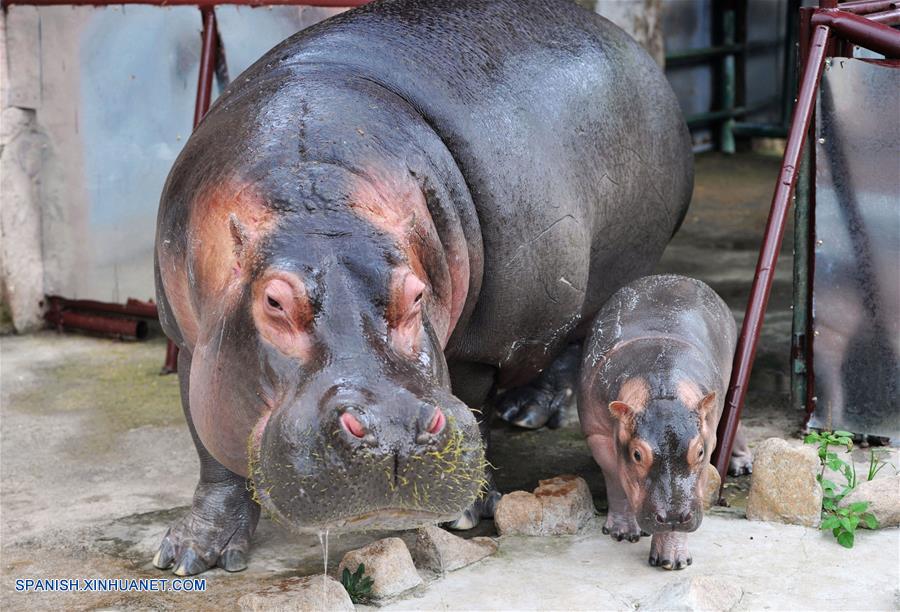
{"x":323,"y":542}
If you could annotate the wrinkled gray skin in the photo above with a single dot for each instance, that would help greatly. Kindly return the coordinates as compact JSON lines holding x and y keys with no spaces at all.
{"x":515,"y":161}
{"x":655,"y":370}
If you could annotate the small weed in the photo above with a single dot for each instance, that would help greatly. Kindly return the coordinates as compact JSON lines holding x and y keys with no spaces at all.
{"x":357,"y":584}
{"x":842,"y":521}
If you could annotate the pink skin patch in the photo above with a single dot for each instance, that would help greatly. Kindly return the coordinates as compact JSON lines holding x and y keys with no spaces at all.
{"x":404,"y":313}
{"x":437,"y":422}
{"x":352,"y":425}
{"x":283,"y":314}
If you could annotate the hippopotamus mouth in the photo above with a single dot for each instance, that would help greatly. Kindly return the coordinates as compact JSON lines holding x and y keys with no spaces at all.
{"x":322,"y":479}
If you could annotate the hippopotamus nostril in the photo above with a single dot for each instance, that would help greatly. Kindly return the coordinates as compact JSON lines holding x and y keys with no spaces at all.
{"x":434,"y":426}
{"x":686,"y":517}
{"x":352,"y":426}
{"x":437,"y":422}
{"x":662,"y":520}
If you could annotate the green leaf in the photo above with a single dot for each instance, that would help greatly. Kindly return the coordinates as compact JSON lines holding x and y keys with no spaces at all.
{"x":846,"y":524}
{"x":811,"y":438}
{"x":837,"y":531}
{"x":830,"y":523}
{"x":845,"y":539}
{"x":836,"y":464}
{"x":870,"y":520}
{"x":843,"y":434}
{"x":860,"y":506}
{"x":854,"y":522}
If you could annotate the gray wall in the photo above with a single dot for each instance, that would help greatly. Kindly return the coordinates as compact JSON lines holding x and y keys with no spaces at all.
{"x":97,"y":102}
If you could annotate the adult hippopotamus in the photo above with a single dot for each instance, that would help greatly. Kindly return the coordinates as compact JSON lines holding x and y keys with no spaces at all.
{"x":653,"y":380}
{"x":390,"y":215}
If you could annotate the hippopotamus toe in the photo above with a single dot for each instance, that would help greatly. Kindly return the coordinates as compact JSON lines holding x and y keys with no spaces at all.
{"x":216,"y":531}
{"x":622,"y":528}
{"x":669,"y":550}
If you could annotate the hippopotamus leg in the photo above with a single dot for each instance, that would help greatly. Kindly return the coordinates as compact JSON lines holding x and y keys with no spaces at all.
{"x":543,"y":401}
{"x":475,"y":385}
{"x":741,"y":458}
{"x":668,"y":550}
{"x":223,"y":516}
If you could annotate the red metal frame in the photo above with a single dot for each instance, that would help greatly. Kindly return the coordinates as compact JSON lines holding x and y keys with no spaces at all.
{"x":844,"y":24}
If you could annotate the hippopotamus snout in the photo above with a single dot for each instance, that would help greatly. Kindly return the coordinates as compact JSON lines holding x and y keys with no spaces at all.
{"x":665,"y":510}
{"x":376,"y":458}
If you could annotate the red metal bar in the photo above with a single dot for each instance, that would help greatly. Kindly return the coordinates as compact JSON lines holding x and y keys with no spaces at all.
{"x":889,"y":18}
{"x":197,"y":3}
{"x":132,"y":307}
{"x":207,"y":64}
{"x":768,"y":255}
{"x":862,"y":7}
{"x":860,"y":31}
{"x":111,"y":326}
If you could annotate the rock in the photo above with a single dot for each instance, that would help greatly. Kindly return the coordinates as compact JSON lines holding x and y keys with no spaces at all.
{"x":518,"y":512}
{"x":883,"y":495}
{"x":783,"y":487}
{"x":440,"y":551}
{"x":713,"y":482}
{"x":299,"y":594}
{"x":559,"y":506}
{"x":389,"y":565}
{"x":696,"y":594}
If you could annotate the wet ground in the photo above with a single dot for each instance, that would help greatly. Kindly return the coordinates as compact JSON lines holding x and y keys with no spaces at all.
{"x":96,"y":461}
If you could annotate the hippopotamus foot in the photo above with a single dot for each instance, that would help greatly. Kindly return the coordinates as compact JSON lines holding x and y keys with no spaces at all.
{"x":668,"y":550}
{"x":544,"y":400}
{"x":482,"y":508}
{"x":623,"y":526}
{"x":741,"y":458}
{"x":216,"y":531}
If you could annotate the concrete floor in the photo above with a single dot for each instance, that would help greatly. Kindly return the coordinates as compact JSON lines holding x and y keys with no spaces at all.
{"x":96,"y":461}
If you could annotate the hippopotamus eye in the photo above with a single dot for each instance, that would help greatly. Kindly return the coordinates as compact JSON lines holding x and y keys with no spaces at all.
{"x":700,"y":453}
{"x":273,"y":302}
{"x":418,"y":298}
{"x":637,"y":455}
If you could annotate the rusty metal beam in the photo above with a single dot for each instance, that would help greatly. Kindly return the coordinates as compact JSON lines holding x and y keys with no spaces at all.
{"x":197,"y":3}
{"x":860,"y":31}
{"x":768,"y":255}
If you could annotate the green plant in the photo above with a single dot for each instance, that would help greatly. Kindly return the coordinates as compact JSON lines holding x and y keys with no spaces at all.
{"x":842,"y":521}
{"x":357,"y":584}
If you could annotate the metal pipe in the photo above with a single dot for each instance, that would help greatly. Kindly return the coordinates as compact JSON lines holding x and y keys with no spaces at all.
{"x":860,"y":31}
{"x":197,"y":3}
{"x":729,"y":74}
{"x":207,"y":68}
{"x":132,"y":307}
{"x":862,"y":7}
{"x":768,"y":255}
{"x":111,"y":326}
{"x":889,"y":18}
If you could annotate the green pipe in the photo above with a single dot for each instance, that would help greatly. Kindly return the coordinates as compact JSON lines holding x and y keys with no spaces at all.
{"x":718,"y":115}
{"x":726,"y":130}
{"x":801,"y":284}
{"x":704,"y":54}
{"x":759,"y":130}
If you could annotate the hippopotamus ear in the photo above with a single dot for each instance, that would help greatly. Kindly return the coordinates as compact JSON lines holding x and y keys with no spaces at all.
{"x":709,"y":408}
{"x":622,"y":411}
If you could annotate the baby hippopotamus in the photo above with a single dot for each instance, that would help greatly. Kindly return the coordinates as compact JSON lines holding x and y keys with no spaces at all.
{"x":653,"y":380}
